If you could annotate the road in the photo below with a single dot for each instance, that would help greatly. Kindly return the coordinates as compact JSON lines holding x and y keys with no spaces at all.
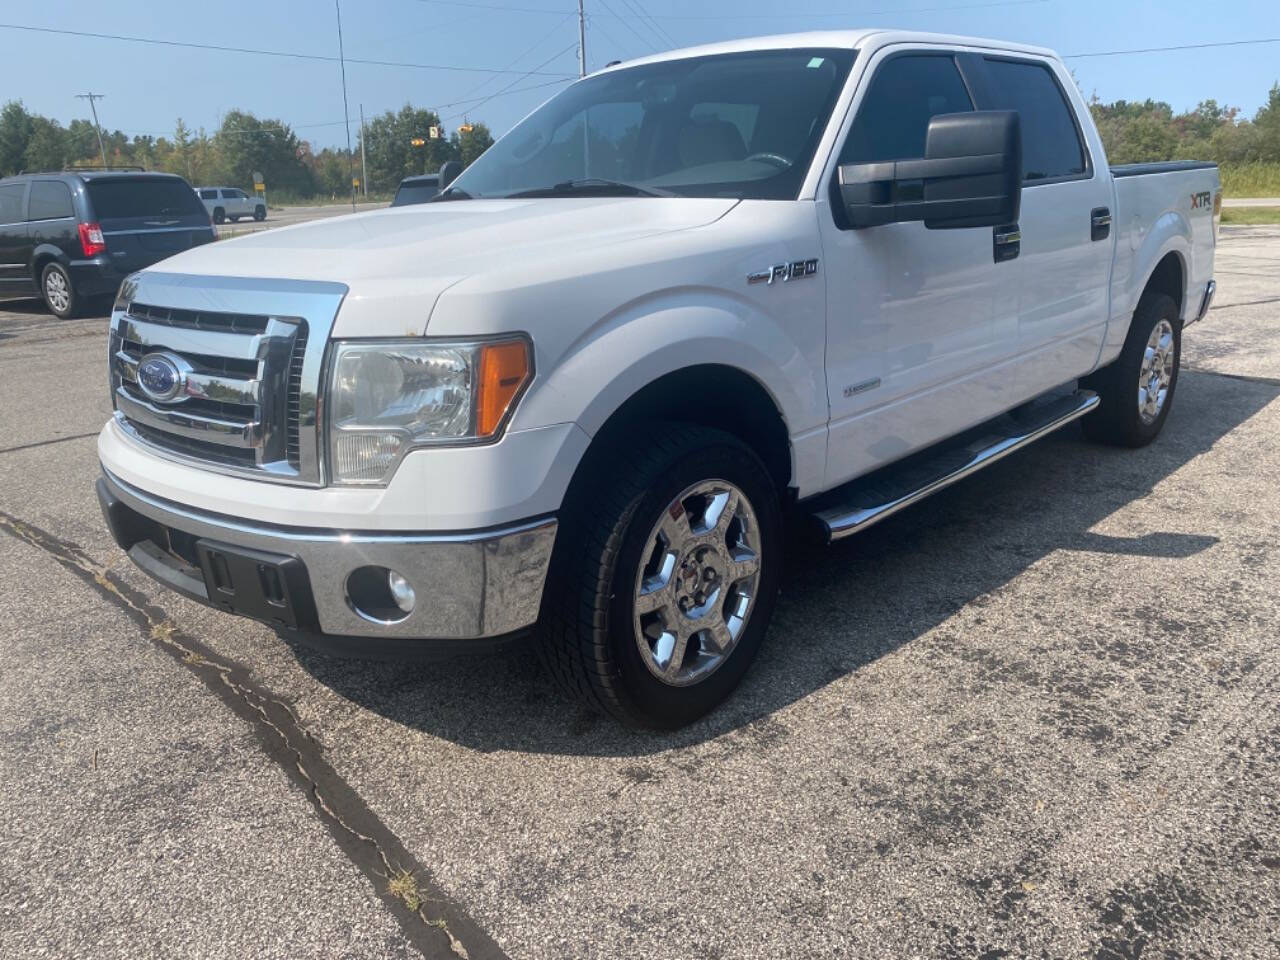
{"x":286,"y":216}
{"x":1037,"y":715}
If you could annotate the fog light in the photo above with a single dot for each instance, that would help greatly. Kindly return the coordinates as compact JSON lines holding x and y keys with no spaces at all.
{"x":401,"y":592}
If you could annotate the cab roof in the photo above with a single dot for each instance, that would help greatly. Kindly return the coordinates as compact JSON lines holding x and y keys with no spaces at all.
{"x":836,"y":39}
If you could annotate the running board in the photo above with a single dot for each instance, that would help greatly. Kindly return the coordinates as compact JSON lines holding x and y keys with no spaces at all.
{"x":868,"y":500}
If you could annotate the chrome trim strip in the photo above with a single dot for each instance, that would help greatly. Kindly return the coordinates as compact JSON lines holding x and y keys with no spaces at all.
{"x":469,"y":585}
{"x":186,"y":229}
{"x":226,"y":433}
{"x":213,"y":343}
{"x":841,"y":523}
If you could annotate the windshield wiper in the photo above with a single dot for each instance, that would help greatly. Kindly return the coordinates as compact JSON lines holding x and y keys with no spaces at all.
{"x":597,"y":185}
{"x":450,"y":193}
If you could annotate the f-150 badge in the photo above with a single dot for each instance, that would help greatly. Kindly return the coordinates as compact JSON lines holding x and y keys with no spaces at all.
{"x":794,"y":270}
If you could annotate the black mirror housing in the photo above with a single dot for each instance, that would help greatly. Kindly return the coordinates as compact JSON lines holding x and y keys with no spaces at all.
{"x":449,"y":172}
{"x":970,"y":176}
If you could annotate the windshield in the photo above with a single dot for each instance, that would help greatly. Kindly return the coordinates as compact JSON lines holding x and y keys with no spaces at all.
{"x":741,"y":125}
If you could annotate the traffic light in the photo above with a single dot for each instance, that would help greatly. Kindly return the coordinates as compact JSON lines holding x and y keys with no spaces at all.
{"x":417,"y":141}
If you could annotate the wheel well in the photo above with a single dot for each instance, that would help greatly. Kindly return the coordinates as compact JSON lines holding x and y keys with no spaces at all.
{"x":1167,"y":279}
{"x":38,"y":264}
{"x":713,"y":396}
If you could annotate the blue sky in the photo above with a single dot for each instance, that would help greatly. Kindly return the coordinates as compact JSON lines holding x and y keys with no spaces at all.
{"x":148,"y":87}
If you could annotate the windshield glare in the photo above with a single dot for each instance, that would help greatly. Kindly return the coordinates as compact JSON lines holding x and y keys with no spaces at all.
{"x":741,"y":125}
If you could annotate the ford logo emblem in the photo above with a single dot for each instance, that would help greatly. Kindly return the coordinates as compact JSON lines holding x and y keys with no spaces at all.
{"x":163,"y":377}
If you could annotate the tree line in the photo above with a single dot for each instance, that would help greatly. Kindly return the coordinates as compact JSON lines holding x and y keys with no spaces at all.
{"x":401,"y":144}
{"x":242,"y":145}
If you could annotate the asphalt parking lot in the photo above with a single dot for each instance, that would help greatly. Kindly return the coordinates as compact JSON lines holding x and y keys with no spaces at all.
{"x":1037,"y":715}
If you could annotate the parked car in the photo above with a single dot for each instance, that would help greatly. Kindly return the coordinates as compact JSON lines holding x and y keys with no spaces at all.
{"x":230,"y":203}
{"x":416,"y":190}
{"x":74,"y":236}
{"x":819,"y":276}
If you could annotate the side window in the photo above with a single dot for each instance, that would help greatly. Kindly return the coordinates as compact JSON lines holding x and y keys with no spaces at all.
{"x":905,"y":94}
{"x":11,"y":195}
{"x":208,"y":194}
{"x":50,"y":200}
{"x":231,"y":194}
{"x":1050,"y":141}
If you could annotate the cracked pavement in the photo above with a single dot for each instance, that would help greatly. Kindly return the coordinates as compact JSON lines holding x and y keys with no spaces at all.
{"x":1037,"y":715}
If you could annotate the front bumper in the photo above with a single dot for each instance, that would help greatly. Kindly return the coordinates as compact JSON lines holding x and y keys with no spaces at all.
{"x":469,"y":586}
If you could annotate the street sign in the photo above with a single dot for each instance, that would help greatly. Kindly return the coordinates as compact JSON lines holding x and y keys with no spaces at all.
{"x":355,"y":182}
{"x":433,"y":133}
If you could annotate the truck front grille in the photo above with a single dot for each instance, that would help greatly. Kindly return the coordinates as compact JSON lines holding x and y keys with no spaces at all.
{"x":242,"y":401}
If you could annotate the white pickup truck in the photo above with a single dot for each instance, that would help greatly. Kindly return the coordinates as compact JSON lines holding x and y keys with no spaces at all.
{"x":575,"y":396}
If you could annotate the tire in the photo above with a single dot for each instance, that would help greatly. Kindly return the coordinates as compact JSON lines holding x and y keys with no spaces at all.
{"x":219,"y":215}
{"x":1137,"y":388}
{"x":612,"y":552}
{"x":259,"y":213}
{"x":58,"y":291}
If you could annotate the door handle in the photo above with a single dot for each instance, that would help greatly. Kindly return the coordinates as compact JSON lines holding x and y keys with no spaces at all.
{"x":1099,"y":223}
{"x":1006,"y":242}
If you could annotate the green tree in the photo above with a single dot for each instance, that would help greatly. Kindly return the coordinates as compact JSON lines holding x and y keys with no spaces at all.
{"x":16,"y":128}
{"x":247,"y":145}
{"x":47,"y":148}
{"x":469,"y":144}
{"x":389,"y":150}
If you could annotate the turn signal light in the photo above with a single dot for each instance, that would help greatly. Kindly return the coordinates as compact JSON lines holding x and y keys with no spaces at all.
{"x":504,"y":370}
{"x":91,"y":239}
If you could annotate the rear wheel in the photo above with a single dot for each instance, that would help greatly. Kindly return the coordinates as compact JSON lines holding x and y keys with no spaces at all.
{"x":259,"y":212}
{"x":59,"y":293}
{"x":1137,"y":388}
{"x":219,"y":215}
{"x":664,"y":577}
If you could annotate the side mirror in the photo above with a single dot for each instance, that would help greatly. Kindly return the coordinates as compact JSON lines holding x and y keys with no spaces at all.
{"x":449,"y":171}
{"x":970,"y":176}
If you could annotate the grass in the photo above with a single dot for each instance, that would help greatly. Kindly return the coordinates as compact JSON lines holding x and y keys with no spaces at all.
{"x":1251,"y":214}
{"x":404,"y":887}
{"x":1251,"y":179}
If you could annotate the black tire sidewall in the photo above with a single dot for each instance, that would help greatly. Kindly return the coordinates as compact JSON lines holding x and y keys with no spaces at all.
{"x":219,"y":215}
{"x":652,"y":702}
{"x":259,"y":213}
{"x":1139,"y":431}
{"x":73,"y":300}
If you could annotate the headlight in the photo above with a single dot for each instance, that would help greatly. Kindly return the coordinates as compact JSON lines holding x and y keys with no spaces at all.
{"x":387,"y":397}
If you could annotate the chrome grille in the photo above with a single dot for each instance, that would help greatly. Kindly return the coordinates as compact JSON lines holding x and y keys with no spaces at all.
{"x":249,"y":354}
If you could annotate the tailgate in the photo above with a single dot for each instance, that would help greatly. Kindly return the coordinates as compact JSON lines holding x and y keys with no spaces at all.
{"x":145,"y":219}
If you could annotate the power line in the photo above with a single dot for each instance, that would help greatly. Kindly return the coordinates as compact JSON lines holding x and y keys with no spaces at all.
{"x":1185,"y":46}
{"x":653,"y":25}
{"x":626,"y":22}
{"x":502,"y":90}
{"x":260,"y":52}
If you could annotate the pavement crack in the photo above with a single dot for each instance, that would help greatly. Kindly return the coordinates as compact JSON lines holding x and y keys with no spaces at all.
{"x":434,"y":924}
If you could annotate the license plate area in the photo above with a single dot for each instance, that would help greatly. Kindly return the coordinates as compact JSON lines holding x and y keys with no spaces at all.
{"x":265,"y":586}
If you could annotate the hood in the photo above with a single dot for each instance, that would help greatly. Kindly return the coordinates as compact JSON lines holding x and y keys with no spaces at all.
{"x":396,"y":262}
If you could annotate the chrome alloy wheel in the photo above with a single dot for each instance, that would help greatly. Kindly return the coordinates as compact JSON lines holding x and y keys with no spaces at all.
{"x":696,"y":588}
{"x":56,"y":290}
{"x":1157,"y":371}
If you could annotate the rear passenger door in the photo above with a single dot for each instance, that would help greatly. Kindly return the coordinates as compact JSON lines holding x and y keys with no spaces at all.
{"x":1063,"y":270}
{"x":51,"y":218}
{"x":15,"y":248}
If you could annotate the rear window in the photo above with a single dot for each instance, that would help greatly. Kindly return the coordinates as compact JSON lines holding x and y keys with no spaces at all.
{"x":137,"y":197}
{"x":208,"y":194}
{"x":1050,"y":143}
{"x":50,"y":200}
{"x":410,"y":193}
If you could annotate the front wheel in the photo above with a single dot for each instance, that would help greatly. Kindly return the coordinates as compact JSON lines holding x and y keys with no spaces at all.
{"x":665,"y":576}
{"x":259,"y":213}
{"x":1137,"y":388}
{"x":219,"y":215}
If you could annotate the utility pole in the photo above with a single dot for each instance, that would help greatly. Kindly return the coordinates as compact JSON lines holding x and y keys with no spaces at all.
{"x":346,"y":113}
{"x":91,"y":97}
{"x":364,"y":164}
{"x":582,"y":41}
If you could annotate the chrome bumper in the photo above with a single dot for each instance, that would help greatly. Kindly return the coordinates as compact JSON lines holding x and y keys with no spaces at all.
{"x":1209,"y":290}
{"x":468,"y":585}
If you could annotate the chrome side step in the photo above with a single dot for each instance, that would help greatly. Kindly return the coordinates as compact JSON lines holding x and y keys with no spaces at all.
{"x":868,"y":500}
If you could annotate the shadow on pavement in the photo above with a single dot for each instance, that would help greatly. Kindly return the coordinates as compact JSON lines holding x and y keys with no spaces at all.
{"x":35,"y":306}
{"x":844,"y":606}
